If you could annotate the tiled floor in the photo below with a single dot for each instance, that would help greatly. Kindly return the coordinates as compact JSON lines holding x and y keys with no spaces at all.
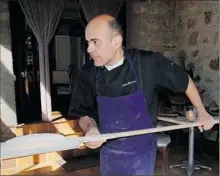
{"x":89,"y":166}
{"x":175,"y":156}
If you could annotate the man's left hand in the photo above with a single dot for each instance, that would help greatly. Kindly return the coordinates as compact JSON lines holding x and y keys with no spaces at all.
{"x":206,"y":120}
{"x":94,"y":144}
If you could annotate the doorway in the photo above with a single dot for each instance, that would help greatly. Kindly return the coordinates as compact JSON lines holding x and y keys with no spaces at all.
{"x":26,"y":63}
{"x":27,"y":107}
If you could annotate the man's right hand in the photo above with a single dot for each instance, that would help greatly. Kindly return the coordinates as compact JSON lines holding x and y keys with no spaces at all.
{"x":94,"y":144}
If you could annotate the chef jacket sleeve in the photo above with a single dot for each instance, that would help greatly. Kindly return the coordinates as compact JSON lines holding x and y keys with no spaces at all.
{"x":83,"y":100}
{"x":170,"y":75}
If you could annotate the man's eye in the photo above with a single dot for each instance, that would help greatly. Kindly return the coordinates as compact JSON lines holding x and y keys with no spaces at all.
{"x":95,"y":42}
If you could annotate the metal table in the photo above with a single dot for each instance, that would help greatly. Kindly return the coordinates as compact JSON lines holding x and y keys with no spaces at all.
{"x":189,"y":165}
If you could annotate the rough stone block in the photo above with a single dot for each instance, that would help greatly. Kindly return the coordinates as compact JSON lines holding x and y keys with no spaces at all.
{"x":5,"y":27}
{"x":193,"y":38}
{"x":208,"y":17}
{"x":195,"y":53}
{"x":214,"y":64}
{"x":4,"y":16}
{"x":190,"y":23}
{"x":216,"y":37}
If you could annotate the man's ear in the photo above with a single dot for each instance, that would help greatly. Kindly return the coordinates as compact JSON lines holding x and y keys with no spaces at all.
{"x":117,"y":41}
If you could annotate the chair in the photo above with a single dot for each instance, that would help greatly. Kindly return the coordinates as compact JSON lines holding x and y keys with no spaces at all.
{"x":163,"y":141}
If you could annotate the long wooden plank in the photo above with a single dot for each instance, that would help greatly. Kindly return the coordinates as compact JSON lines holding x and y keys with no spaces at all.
{"x":179,"y":119}
{"x":182,"y":125}
{"x":10,"y":150}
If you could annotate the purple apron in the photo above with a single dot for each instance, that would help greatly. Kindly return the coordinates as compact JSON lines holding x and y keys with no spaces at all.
{"x":134,"y":155}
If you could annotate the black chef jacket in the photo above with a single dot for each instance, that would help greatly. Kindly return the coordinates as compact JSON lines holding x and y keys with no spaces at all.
{"x":153,"y":70}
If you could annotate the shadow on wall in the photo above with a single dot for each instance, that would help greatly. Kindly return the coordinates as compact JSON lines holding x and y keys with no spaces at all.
{"x":15,"y":105}
{"x":6,"y":132}
{"x":18,"y":105}
{"x":7,"y":86}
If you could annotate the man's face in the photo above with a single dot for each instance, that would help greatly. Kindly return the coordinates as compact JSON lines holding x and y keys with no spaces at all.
{"x":100,"y":45}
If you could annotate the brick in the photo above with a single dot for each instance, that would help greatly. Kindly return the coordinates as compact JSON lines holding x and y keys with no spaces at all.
{"x":29,"y":129}
{"x":52,"y":128}
{"x":64,"y":128}
{"x":53,"y":156}
{"x":42,"y":128}
{"x":74,"y":124}
{"x":8,"y":164}
{"x":19,"y":132}
{"x":10,"y":171}
{"x":24,"y":162}
{"x":44,"y":169}
{"x":40,"y":158}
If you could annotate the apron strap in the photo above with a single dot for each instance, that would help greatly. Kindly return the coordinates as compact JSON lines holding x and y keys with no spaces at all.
{"x":138,"y":72}
{"x":97,"y":81}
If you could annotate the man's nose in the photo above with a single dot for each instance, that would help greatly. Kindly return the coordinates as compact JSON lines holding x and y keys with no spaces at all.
{"x":90,"y":48}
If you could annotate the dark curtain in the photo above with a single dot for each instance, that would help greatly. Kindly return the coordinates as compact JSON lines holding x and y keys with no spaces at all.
{"x":92,"y":8}
{"x":17,"y":25}
{"x":43,"y":17}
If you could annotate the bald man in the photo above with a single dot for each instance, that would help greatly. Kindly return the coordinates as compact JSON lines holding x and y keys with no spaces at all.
{"x":117,"y":92}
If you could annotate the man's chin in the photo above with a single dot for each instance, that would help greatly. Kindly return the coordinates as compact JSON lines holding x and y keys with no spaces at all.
{"x":98,"y":64}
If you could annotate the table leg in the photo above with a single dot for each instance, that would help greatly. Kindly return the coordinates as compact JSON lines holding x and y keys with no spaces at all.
{"x":190,"y":166}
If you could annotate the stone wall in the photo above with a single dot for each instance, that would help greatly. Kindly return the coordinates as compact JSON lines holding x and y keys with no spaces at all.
{"x":198,"y":43}
{"x":191,"y":28}
{"x":7,"y":92}
{"x":148,"y":25}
